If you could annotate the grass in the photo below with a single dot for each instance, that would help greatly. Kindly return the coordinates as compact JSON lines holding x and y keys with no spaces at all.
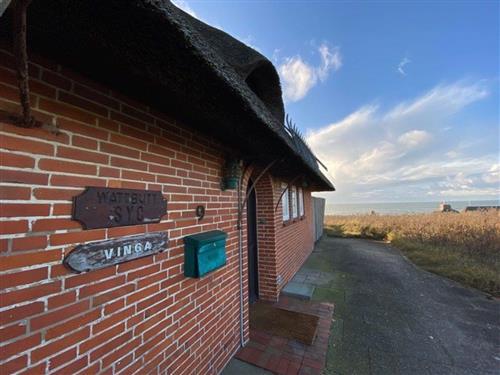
{"x":464,"y":247}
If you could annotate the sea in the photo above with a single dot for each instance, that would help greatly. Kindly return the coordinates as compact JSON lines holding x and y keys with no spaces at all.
{"x":400,"y":208}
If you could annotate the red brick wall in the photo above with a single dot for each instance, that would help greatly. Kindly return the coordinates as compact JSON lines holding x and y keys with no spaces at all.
{"x":138,"y":316}
{"x":294,"y":241}
{"x":282,"y":248}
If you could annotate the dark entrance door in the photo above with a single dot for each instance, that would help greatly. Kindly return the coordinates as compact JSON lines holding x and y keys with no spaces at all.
{"x":253,"y":279}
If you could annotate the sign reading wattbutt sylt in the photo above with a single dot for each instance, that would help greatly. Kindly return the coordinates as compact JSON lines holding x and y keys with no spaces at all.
{"x":100,"y":207}
{"x":102,"y":254}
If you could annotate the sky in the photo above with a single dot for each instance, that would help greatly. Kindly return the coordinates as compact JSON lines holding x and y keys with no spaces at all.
{"x":400,"y":100}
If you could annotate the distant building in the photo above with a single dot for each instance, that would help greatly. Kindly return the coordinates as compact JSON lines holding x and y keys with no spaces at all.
{"x":446,"y":207}
{"x":481,"y":208}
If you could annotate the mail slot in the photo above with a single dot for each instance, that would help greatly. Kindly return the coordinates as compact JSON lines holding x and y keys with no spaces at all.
{"x":204,"y":253}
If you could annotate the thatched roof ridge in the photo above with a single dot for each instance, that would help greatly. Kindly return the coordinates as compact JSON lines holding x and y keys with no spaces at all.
{"x":158,"y":54}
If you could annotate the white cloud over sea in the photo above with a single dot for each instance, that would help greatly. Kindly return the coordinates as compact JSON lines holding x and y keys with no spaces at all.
{"x":409,"y":151}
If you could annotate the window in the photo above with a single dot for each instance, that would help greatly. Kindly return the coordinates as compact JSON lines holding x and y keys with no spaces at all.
{"x":285,"y":203}
{"x":294,"y":202}
{"x":301,"y":202}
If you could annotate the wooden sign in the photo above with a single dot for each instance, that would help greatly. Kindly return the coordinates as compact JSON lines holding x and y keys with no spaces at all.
{"x":99,"y":207}
{"x":95,"y":255}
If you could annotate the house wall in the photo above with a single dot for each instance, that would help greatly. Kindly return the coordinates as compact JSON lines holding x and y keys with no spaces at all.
{"x":141,"y":316}
{"x":282,"y":247}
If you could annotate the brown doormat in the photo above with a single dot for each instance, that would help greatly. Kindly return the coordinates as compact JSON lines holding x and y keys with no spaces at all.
{"x":289,"y":324}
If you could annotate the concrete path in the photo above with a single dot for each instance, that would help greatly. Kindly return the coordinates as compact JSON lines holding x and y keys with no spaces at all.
{"x":393,"y":318}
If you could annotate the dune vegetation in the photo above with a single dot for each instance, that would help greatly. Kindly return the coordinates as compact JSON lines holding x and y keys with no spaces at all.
{"x":461,"y":246}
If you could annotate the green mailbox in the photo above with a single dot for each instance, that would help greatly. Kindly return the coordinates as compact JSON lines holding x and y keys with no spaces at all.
{"x":204,"y":253}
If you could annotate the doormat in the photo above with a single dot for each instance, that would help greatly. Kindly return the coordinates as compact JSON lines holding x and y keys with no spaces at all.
{"x":285,"y":323}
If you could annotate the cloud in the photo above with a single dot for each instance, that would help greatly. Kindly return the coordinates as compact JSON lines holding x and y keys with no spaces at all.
{"x":401,"y":152}
{"x":402,"y":64}
{"x":299,"y":77}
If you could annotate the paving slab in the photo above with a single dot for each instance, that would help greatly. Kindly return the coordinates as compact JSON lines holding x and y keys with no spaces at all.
{"x":237,"y":367}
{"x":298,"y":290}
{"x":392,"y":317}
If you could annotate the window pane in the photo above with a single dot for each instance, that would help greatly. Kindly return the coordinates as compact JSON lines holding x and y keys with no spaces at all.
{"x":285,"y":204}
{"x":294,"y":201}
{"x":301,"y":202}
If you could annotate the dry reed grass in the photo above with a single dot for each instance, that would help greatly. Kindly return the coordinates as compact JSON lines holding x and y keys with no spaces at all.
{"x":462,"y":246}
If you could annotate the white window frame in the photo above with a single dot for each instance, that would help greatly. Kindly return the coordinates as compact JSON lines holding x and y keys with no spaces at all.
{"x":285,"y":203}
{"x":293,"y":197}
{"x":301,"y":202}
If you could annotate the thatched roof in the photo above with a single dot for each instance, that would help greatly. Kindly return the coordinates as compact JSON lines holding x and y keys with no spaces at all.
{"x":156,"y":53}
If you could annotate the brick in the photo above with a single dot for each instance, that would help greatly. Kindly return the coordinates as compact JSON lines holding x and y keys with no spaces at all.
{"x":15,"y":192}
{"x":73,"y":367}
{"x":76,"y":181}
{"x":112,"y":148}
{"x":128,"y":141}
{"x":131,"y":111}
{"x":114,"y":306}
{"x":30,"y":293}
{"x":110,"y":346}
{"x":20,"y":312}
{"x":112,"y":320}
{"x":102,"y":286}
{"x":41,"y":257}
{"x":55,"y":194}
{"x":35,"y":370}
{"x":101,"y":338}
{"x":77,"y":154}
{"x":115,"y":355}
{"x":43,"y":225}
{"x":29,"y":243}
{"x":155,"y":149}
{"x":24,"y":209}
{"x":58,"y":345}
{"x":63,"y":358}
{"x":84,"y":142}
{"x":13,"y":365}
{"x":152,"y":158}
{"x":77,"y":237}
{"x":59,"y":315}
{"x":113,"y":294}
{"x":23,"y":278}
{"x":66,"y":167}
{"x":109,"y":172}
{"x":38,"y":134}
{"x":89,"y":277}
{"x":86,"y":130}
{"x":126,"y":231}
{"x":66,"y":110}
{"x":95,"y":96}
{"x":23,"y":144}
{"x":56,"y":80}
{"x":128,"y":163}
{"x":10,"y":227}
{"x":82,"y":103}
{"x":24,"y":177}
{"x":13,"y":331}
{"x":61,"y":300}
{"x":141,"y":294}
{"x":4,"y":245}
{"x":138,"y":176}
{"x":14,"y":160}
{"x":73,"y":324}
{"x":19,"y":346}
{"x":62,"y":209}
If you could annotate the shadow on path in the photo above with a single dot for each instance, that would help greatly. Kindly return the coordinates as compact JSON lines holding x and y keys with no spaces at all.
{"x":393,"y":318}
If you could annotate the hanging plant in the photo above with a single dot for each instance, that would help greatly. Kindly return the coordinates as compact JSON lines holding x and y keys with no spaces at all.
{"x":231,"y":174}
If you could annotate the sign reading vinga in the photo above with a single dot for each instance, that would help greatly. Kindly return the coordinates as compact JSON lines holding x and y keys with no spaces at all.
{"x":99,"y":207}
{"x":102,"y":254}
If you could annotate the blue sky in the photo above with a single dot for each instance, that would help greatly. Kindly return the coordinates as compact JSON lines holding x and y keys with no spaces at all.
{"x":399,"y":100}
